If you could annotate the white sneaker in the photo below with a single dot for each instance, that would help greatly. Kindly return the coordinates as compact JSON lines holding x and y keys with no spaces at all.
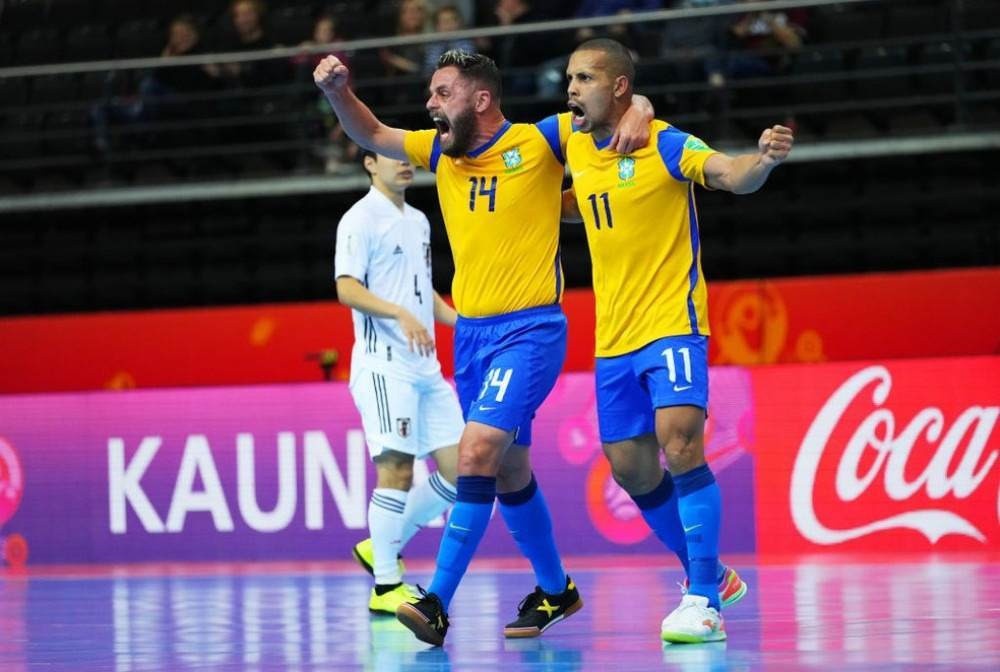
{"x":693,"y":622}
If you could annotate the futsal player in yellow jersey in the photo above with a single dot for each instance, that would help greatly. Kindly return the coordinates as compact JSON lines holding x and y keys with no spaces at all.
{"x":652,"y":319}
{"x":499,"y":185}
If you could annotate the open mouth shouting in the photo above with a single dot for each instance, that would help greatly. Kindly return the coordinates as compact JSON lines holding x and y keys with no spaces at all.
{"x":443,"y":127}
{"x":579,"y":113}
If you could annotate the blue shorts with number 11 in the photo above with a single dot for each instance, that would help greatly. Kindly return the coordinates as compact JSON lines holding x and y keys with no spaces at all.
{"x":505,"y":366}
{"x":671,"y":371}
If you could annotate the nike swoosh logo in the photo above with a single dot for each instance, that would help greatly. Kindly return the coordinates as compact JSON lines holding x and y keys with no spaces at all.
{"x":693,"y":527}
{"x":459,"y":527}
{"x":487,"y":408}
{"x":678,"y":388}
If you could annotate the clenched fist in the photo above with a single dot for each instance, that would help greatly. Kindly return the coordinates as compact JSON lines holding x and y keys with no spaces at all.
{"x":775,"y":143}
{"x":331,"y":74}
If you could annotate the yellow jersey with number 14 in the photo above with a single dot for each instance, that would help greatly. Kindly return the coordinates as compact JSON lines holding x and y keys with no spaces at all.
{"x":642,"y":230}
{"x":501,"y":204}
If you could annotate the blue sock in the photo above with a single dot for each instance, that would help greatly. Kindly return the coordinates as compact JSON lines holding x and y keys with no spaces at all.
{"x":465,"y":527}
{"x":700,"y":507}
{"x":527,"y":517}
{"x":659,"y":509}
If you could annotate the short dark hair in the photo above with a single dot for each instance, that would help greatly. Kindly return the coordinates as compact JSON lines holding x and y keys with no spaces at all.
{"x":445,"y":9}
{"x":482,"y":69}
{"x":619,"y":58}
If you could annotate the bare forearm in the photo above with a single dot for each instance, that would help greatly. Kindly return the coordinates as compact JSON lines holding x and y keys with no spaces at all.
{"x":362,"y":126}
{"x":570,"y":208}
{"x":353,"y":294}
{"x":443,"y":313}
{"x":748,"y":174}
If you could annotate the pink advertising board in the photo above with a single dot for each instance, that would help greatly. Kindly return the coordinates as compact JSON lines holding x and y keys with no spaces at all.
{"x":282,"y":473}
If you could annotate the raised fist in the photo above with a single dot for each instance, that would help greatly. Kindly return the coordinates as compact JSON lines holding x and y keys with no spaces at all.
{"x":331,"y":74}
{"x":775,"y":143}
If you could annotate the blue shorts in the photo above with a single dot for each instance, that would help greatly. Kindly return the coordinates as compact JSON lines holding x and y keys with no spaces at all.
{"x":671,"y":371}
{"x":505,"y":366}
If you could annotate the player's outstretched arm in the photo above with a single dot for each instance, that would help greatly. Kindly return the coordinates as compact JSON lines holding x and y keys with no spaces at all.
{"x":632,"y":131}
{"x":444,"y":313}
{"x":353,"y":294}
{"x":356,"y":119}
{"x":570,"y":208}
{"x":746,"y":173}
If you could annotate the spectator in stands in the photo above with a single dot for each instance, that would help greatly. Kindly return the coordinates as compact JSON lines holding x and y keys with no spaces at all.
{"x":759,"y":44}
{"x":529,"y":60}
{"x":625,"y":34}
{"x":409,"y":59}
{"x":335,"y":149}
{"x":161,"y":92}
{"x":447,"y":19}
{"x":694,"y":46}
{"x":247,"y":19}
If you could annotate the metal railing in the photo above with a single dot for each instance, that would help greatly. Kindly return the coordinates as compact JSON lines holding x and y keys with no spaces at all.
{"x":283,"y":125}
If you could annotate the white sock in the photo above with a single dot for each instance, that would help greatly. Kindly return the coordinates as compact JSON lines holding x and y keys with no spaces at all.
{"x":385,"y":523}
{"x":426,"y":502}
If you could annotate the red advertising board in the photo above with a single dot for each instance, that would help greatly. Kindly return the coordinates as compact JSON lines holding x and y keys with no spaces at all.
{"x":875,"y":457}
{"x":924,"y":314}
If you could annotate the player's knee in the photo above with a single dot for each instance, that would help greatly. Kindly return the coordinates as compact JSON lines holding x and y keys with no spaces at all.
{"x":684,"y":450}
{"x":478,"y":457}
{"x":394,"y":470}
{"x":447,"y":463}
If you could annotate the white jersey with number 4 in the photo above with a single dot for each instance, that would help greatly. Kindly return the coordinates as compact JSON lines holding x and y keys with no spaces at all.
{"x":388,"y":250}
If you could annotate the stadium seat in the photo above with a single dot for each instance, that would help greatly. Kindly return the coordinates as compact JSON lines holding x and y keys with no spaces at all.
{"x":913,"y":122}
{"x":850,"y":126}
{"x":23,"y":14}
{"x":6,"y":50}
{"x":291,"y":25}
{"x":981,"y":15}
{"x":48,"y":89}
{"x":87,"y":43}
{"x":38,"y":45}
{"x":152,"y":172}
{"x":13,"y":92}
{"x":849,"y":24}
{"x":8,"y":187}
{"x":888,"y":85}
{"x":139,"y":38}
{"x":67,"y":132}
{"x":69,"y":13}
{"x":906,"y":20}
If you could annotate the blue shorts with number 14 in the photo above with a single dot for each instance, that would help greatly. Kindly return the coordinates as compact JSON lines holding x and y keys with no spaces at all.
{"x":505,"y":366}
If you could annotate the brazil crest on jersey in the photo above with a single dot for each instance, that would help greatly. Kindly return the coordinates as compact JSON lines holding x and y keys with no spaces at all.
{"x":501,"y":204}
{"x":642,"y":230}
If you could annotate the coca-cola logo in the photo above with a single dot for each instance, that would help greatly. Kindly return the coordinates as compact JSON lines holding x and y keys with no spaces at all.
{"x":11,"y":481}
{"x":880,"y":445}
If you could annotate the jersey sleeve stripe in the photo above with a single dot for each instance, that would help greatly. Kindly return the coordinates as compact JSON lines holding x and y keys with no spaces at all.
{"x":693,"y":272}
{"x":670,"y":144}
{"x":435,"y":153}
{"x":549,"y":128}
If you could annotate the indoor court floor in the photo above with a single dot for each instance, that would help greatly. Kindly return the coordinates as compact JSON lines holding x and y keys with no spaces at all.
{"x":827,"y":613}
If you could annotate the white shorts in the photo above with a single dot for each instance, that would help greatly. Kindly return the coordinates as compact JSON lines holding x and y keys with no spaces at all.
{"x":415,"y":418}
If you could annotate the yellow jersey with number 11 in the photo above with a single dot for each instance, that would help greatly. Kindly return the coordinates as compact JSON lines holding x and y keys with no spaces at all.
{"x":642,"y":230}
{"x":501,"y":204}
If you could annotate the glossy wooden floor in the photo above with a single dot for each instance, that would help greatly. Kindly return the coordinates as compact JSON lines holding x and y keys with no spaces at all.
{"x":838,"y":613}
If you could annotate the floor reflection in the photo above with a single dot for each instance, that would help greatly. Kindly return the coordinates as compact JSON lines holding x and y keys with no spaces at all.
{"x":845,"y":616}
